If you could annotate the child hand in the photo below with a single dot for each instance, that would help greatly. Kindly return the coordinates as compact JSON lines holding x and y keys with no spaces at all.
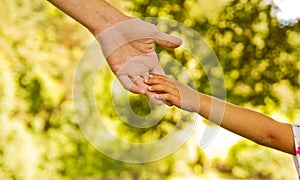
{"x":172,"y":92}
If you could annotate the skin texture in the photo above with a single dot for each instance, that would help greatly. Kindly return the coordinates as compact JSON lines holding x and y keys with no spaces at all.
{"x":98,"y":16}
{"x":242,"y":121}
{"x":127,"y":43}
{"x":132,"y":67}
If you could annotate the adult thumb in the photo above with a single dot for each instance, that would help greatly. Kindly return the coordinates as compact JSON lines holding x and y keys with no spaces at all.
{"x":167,"y":41}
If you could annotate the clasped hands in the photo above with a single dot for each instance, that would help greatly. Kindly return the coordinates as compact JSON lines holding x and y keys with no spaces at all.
{"x":129,"y":50}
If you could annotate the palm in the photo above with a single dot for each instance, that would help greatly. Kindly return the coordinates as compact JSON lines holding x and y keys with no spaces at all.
{"x":129,"y":49}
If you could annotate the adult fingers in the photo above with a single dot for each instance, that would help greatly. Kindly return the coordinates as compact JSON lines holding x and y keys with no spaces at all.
{"x":152,"y":98}
{"x":158,"y":79}
{"x":130,"y":85}
{"x":139,"y":82}
{"x":160,"y":88}
{"x":166,"y":98}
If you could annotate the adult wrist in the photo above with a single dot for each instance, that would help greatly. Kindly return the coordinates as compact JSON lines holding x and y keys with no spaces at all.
{"x":108,"y":21}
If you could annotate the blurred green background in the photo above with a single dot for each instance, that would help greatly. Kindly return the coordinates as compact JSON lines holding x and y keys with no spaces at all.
{"x":39,"y":51}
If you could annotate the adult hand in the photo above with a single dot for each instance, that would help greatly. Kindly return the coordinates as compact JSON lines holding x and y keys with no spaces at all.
{"x":129,"y":49}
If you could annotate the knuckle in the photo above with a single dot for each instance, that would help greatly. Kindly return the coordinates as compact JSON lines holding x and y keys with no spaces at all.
{"x":174,"y":98}
{"x":168,"y":96}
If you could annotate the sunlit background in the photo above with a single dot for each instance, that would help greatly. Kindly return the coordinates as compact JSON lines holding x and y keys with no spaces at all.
{"x":256,"y":41}
{"x":286,"y":11}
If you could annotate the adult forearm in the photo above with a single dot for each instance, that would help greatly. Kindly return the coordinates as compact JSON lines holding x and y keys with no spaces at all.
{"x":95,"y":15}
{"x":248,"y":123}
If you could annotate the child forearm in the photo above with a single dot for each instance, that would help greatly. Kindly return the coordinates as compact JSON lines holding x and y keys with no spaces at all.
{"x":248,"y":123}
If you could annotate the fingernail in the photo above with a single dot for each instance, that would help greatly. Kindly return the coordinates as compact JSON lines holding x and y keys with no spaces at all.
{"x":150,"y":76}
{"x":150,"y":88}
{"x":142,"y":92}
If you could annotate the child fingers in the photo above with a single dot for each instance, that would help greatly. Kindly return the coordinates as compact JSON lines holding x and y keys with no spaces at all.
{"x":130,"y":85}
{"x":166,"y":98}
{"x":159,"y":76}
{"x":160,"y":88}
{"x":157,"y":79}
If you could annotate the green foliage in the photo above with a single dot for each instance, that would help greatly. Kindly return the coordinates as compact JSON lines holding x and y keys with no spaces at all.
{"x":39,"y":135}
{"x":259,"y":59}
{"x":248,"y":160}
